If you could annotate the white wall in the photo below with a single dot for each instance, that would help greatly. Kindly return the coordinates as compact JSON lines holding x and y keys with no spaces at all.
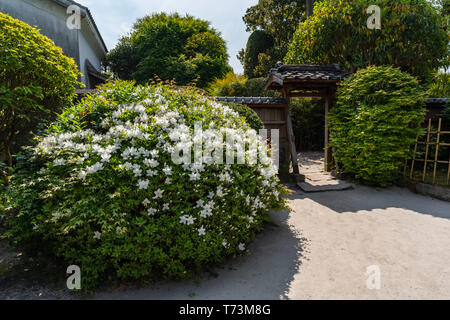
{"x":89,"y":49}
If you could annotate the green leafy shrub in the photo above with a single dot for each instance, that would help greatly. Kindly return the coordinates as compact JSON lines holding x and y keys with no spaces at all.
{"x":102,"y":191}
{"x":376,"y":119}
{"x":36,"y":80}
{"x":251,"y":117}
{"x":233,"y":85}
{"x":411,"y":37}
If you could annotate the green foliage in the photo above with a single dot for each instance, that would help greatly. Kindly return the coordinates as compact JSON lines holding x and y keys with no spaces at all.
{"x":411,"y":37}
{"x":440,"y":87}
{"x":101,"y":190}
{"x":279,"y":18}
{"x":446,"y":112}
{"x":258,"y":43}
{"x":378,"y":114}
{"x":251,"y":117}
{"x":123,"y":59}
{"x":273,"y":23}
{"x":36,"y":79}
{"x":172,"y":48}
{"x":308,"y":122}
{"x":233,"y":85}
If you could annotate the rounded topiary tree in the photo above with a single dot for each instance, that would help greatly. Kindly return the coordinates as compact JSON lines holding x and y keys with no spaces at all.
{"x":376,"y":119}
{"x":258,"y":42}
{"x":105,"y":192}
{"x":36,"y":79}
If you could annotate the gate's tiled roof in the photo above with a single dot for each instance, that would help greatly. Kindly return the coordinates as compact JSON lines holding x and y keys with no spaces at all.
{"x":309,"y":72}
{"x":437,"y":101}
{"x":252,"y":100}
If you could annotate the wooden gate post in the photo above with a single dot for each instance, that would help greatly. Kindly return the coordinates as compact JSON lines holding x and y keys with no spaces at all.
{"x":328,"y":154}
{"x":290,"y":134}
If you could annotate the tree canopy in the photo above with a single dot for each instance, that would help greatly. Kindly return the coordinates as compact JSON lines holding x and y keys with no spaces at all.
{"x":277,"y":19}
{"x":411,"y":37}
{"x":171,"y":47}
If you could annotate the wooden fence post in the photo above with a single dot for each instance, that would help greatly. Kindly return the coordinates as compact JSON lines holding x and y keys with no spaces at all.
{"x":290,"y":135}
{"x":437,"y":151}
{"x":426,"y":151}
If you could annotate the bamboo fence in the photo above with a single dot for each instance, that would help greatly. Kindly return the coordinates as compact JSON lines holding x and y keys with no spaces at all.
{"x":434,"y":139}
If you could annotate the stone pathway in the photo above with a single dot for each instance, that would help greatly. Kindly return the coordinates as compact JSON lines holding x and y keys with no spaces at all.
{"x":316,"y":180}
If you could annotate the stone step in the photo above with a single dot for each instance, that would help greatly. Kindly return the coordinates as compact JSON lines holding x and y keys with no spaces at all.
{"x":332,"y":185}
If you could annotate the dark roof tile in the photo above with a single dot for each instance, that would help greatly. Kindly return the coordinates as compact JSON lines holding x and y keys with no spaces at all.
{"x":437,"y":101}
{"x":251,"y":100}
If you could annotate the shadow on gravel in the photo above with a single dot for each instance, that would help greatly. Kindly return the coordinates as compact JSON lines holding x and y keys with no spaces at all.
{"x":368,"y":199}
{"x":264,"y":273}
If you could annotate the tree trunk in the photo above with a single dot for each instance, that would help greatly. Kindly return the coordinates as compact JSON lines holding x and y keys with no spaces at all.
{"x":309,"y":7}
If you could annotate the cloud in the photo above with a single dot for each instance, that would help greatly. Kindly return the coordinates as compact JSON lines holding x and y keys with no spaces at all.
{"x":115,"y":18}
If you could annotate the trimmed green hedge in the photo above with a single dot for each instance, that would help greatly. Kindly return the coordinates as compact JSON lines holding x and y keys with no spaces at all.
{"x":36,"y":81}
{"x":376,"y":119}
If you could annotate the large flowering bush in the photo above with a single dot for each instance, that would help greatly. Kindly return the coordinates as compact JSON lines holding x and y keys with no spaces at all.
{"x":104,"y":193}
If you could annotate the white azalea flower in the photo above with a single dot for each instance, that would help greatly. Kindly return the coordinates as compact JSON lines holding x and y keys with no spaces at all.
{"x":241,"y":246}
{"x":152,"y":211}
{"x":154,"y":153}
{"x":82,"y":174}
{"x":195,"y":176}
{"x":166,"y":206}
{"x":219,"y":191}
{"x":167,"y":171}
{"x":143,"y":184}
{"x":151,"y":163}
{"x":151,"y":173}
{"x":137,"y":172}
{"x":97,"y":235}
{"x":200,"y":203}
{"x":158,"y":194}
{"x":201,"y":231}
{"x":93,"y":169}
{"x":146,"y":202}
{"x":105,"y":157}
{"x":188,"y":220}
{"x":59,"y":162}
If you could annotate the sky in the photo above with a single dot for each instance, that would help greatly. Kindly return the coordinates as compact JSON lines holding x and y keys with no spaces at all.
{"x":114,"y":18}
